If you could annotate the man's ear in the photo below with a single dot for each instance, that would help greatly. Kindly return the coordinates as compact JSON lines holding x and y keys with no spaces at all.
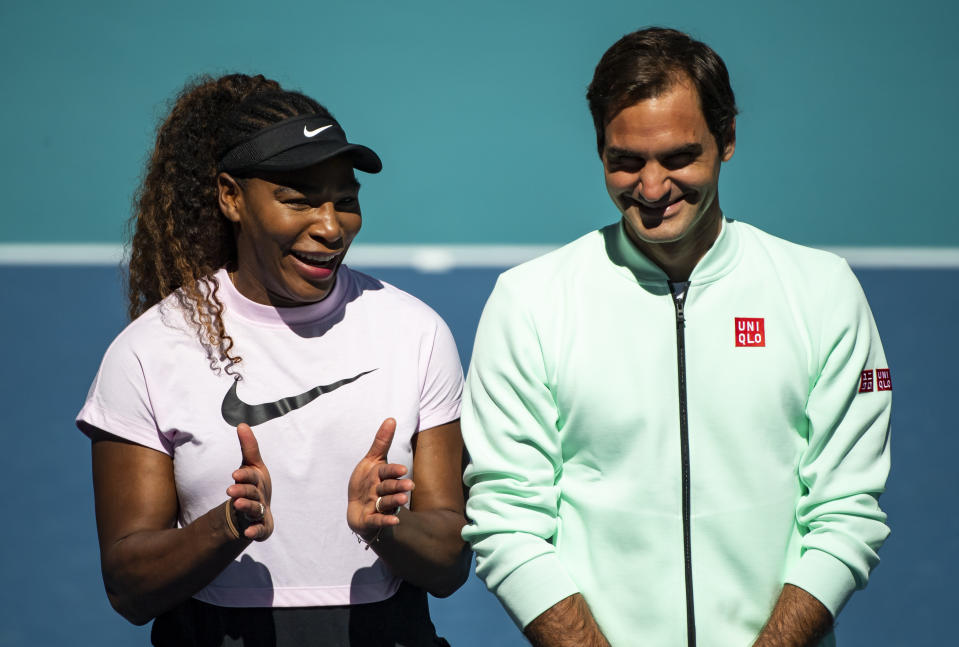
{"x":229,"y":196}
{"x":730,"y":143}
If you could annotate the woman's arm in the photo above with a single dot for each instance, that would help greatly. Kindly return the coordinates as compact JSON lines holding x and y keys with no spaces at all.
{"x":421,"y":545}
{"x":149,"y":565}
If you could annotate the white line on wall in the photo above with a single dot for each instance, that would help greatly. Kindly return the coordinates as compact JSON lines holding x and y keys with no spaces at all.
{"x":442,"y":258}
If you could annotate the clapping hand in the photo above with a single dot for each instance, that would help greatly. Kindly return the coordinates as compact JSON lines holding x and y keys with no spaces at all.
{"x":252,"y":491}
{"x":376,"y":489}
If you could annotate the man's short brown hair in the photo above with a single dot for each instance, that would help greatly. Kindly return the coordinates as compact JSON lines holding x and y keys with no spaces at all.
{"x":648,"y":62}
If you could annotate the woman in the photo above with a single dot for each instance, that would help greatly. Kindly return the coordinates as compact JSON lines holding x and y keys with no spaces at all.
{"x":252,"y":344}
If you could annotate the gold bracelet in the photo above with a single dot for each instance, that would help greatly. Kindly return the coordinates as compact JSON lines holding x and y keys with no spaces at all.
{"x":229,"y":520}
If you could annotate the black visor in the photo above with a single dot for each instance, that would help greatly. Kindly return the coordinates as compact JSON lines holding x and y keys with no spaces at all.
{"x":296,"y":143}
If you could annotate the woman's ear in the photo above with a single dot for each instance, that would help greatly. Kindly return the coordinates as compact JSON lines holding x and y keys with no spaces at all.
{"x":229,"y":196}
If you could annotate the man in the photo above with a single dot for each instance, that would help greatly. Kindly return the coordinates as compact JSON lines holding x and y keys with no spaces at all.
{"x":678,"y":424}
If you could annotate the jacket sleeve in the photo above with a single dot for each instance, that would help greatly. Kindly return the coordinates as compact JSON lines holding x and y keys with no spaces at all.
{"x":509,"y":426}
{"x":844,"y":467}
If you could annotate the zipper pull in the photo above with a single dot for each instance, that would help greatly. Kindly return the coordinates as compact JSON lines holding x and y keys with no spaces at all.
{"x":679,"y":290}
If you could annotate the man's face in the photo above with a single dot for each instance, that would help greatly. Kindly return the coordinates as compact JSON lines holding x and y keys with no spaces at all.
{"x":662,"y":168}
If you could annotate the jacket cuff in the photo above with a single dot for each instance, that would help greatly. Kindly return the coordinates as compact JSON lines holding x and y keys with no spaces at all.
{"x":825,"y":578}
{"x":534,"y":587}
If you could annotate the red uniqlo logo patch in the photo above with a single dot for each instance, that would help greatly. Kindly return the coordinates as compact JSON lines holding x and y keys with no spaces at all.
{"x":750,"y":331}
{"x":865,"y":381}
{"x":883,"y":380}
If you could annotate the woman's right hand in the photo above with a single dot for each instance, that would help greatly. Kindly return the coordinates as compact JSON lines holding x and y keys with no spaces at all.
{"x":251,"y":493}
{"x":149,"y":563}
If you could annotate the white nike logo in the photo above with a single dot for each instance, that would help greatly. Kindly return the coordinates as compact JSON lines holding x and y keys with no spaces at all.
{"x":314,"y":133}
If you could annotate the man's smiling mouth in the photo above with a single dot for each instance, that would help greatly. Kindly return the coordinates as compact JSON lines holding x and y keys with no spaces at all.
{"x":656,"y":212}
{"x":660,"y":206}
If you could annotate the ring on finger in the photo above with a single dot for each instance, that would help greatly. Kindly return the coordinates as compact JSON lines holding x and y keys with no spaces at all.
{"x":381,"y":510}
{"x":262,"y":510}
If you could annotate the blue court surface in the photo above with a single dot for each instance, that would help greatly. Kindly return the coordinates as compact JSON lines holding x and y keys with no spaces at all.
{"x":57,"y":321}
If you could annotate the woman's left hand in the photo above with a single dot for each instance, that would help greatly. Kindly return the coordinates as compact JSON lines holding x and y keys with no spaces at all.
{"x":376,"y":489}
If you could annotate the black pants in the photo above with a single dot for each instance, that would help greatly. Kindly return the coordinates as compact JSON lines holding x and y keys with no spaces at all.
{"x":400,"y":621}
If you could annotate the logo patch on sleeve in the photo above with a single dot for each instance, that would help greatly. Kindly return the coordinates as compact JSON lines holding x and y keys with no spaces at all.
{"x":750,"y":331}
{"x":883,"y":379}
{"x":866,"y":381}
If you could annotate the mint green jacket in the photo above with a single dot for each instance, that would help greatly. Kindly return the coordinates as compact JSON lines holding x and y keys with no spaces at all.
{"x":572,"y":421}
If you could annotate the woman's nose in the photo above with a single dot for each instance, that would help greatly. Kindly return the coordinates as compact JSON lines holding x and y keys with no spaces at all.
{"x":326,"y":224}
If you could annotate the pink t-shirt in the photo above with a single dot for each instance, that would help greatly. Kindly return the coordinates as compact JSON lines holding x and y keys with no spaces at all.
{"x":374,"y":351}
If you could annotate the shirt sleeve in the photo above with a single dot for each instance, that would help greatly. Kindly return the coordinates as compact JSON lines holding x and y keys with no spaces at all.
{"x":119,"y":400}
{"x":846,"y":462}
{"x":442,"y":390}
{"x":509,"y":427}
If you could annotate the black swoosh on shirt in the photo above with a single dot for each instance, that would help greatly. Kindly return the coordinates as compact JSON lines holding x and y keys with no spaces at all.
{"x":235,"y":410}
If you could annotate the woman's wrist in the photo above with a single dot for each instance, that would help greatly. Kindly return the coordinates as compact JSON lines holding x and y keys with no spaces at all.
{"x":369,"y":541}
{"x":383,"y":534}
{"x":236,"y":524}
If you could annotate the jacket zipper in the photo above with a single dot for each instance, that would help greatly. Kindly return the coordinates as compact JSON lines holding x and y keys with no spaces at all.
{"x":679,"y":290}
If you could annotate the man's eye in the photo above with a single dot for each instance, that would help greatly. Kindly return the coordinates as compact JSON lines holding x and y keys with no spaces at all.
{"x":679,"y":161}
{"x":347,"y":203}
{"x":627,"y":164}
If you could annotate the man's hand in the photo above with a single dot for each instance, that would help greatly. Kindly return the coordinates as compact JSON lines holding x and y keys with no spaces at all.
{"x":253,"y":489}
{"x":568,"y":623}
{"x":797,"y":620}
{"x":375,"y":489}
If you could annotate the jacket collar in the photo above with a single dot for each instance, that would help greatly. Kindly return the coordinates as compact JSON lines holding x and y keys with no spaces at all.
{"x":721,"y":258}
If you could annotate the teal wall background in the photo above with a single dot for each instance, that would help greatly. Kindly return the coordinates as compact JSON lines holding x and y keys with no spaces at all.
{"x":846,"y":135}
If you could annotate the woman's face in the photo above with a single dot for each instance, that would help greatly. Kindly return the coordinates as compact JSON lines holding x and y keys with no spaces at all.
{"x":292,"y":230}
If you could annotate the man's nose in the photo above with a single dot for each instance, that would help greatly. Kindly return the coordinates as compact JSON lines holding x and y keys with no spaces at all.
{"x":653,"y":184}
